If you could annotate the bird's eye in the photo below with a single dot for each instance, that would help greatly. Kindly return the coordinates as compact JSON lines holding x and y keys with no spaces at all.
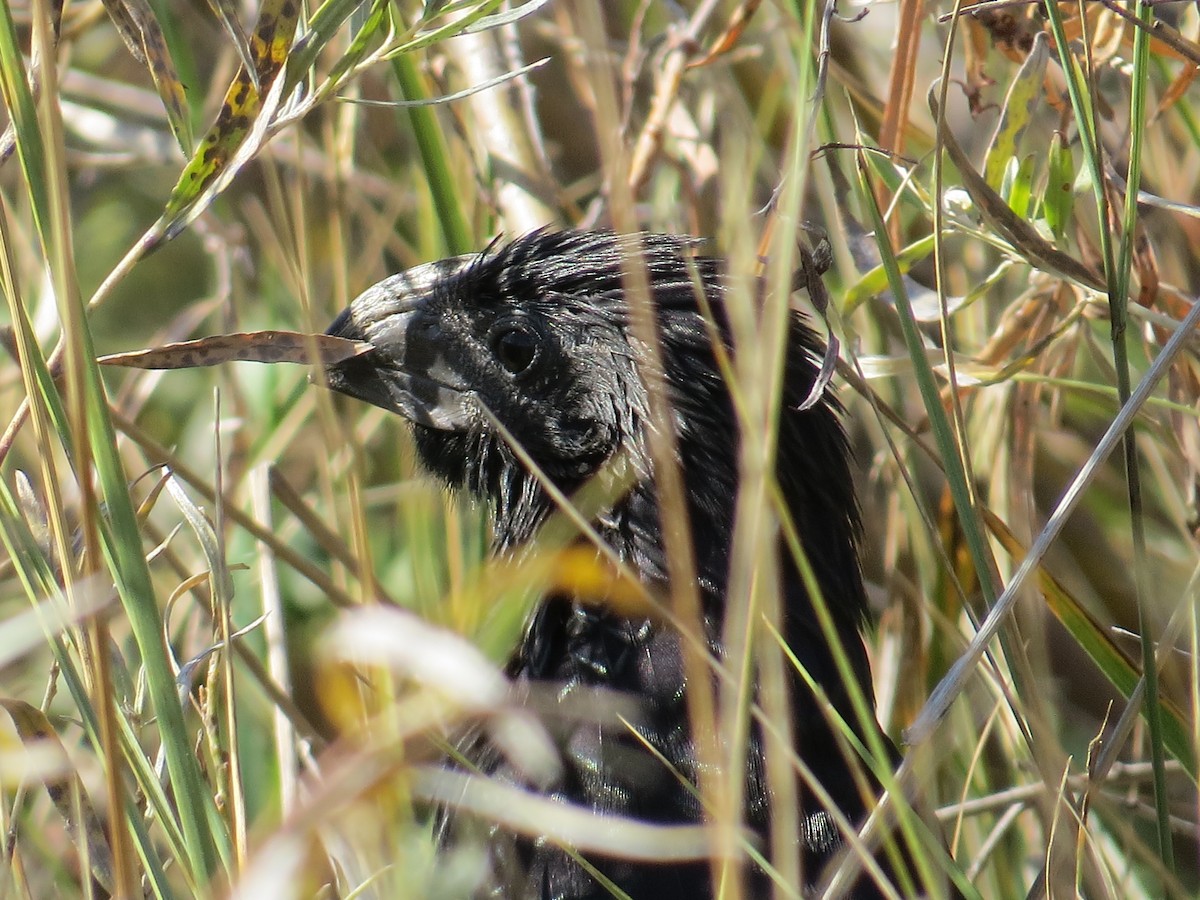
{"x":515,"y":346}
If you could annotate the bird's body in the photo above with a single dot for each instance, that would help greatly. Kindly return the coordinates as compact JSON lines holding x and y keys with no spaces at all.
{"x":536,"y":335}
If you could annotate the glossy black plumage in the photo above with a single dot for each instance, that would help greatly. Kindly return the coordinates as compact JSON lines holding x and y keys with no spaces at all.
{"x":537,"y":332}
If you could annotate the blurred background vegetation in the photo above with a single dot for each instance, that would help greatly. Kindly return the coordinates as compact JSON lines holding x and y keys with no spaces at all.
{"x":992,"y":323}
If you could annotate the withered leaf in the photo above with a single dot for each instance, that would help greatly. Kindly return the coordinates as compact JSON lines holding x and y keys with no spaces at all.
{"x":249,"y":346}
{"x":66,"y":791}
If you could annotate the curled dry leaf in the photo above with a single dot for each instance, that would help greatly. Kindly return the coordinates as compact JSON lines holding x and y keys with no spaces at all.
{"x":62,"y":784}
{"x":250,"y":346}
{"x":574,"y":826}
{"x":451,"y":666}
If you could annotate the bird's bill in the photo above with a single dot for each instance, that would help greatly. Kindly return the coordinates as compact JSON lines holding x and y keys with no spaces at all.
{"x":405,"y":371}
{"x":419,"y":400}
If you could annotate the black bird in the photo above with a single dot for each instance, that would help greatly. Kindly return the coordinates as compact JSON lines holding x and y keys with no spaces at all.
{"x":537,"y":333}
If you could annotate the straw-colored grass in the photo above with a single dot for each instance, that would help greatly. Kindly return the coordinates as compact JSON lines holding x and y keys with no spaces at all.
{"x":236,"y":622}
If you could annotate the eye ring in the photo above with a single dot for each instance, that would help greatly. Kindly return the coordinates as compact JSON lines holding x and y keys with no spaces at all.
{"x":516,"y":345}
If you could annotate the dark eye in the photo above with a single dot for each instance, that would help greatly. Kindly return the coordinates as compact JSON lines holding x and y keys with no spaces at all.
{"x":516,"y":346}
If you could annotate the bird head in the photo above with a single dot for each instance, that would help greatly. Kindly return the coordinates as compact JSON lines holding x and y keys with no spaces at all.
{"x":521,"y":338}
{"x":531,"y":342}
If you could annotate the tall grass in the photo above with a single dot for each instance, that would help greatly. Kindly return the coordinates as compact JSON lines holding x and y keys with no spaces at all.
{"x":237,"y":626}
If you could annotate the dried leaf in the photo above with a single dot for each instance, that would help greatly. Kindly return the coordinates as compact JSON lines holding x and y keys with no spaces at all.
{"x":1012,"y":32}
{"x":250,"y":346}
{"x":732,"y":33}
{"x":36,"y":731}
{"x":1175,"y":90}
{"x":139,"y":29}
{"x":975,"y":77}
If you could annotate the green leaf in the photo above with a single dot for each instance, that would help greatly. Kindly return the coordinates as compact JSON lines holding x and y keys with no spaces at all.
{"x":1024,"y":94}
{"x":1059,"y":199}
{"x":876,"y":281}
{"x":1020,"y":194}
{"x":246,"y":108}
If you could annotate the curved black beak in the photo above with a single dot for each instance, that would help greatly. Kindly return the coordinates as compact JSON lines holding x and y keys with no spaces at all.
{"x":407,"y":371}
